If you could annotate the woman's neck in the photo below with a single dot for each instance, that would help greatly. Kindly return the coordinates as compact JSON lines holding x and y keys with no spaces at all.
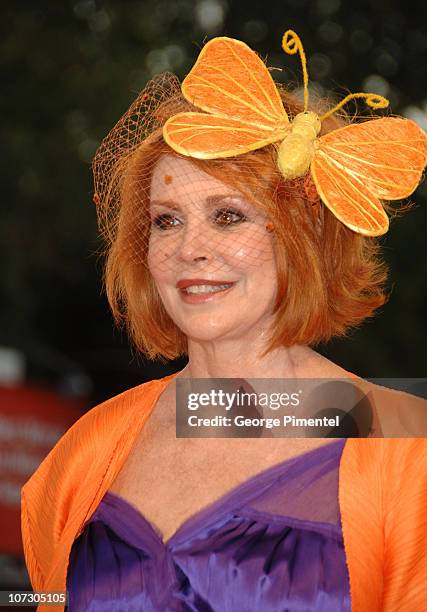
{"x":232,"y":361}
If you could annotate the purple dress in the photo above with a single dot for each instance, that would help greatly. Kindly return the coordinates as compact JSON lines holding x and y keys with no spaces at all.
{"x":272,"y":544}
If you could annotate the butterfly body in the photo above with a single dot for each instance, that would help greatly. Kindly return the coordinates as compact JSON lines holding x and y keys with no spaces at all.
{"x":297,"y":148}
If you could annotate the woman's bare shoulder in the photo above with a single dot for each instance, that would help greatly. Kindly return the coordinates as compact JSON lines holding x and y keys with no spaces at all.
{"x":402,"y":414}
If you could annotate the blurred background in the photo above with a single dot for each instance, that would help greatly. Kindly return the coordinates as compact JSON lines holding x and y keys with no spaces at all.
{"x":69,"y":70}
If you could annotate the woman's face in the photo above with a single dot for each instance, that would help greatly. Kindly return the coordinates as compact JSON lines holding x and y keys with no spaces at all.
{"x":210,"y":254}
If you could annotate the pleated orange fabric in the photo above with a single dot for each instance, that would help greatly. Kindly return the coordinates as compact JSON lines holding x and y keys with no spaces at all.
{"x":382,"y":497}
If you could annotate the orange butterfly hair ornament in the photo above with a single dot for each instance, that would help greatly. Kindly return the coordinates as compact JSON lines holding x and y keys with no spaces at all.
{"x":354,"y":168}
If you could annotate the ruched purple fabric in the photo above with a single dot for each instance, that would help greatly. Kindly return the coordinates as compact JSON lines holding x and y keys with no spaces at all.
{"x":272,"y":544}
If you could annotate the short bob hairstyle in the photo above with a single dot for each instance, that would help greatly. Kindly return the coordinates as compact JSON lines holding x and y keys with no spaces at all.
{"x":330,"y":278}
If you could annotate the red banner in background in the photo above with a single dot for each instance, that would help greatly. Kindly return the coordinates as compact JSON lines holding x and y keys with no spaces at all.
{"x":31,"y":422}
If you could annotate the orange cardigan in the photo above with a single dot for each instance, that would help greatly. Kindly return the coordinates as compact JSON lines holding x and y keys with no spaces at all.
{"x":382,"y":498}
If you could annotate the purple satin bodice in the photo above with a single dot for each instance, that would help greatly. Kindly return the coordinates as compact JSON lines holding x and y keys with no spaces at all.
{"x":272,"y":544}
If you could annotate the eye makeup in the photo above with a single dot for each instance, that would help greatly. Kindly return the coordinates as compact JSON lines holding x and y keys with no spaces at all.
{"x":224,"y":211}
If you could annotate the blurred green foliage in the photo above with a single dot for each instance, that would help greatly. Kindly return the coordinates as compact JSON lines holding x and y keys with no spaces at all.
{"x":70,"y":69}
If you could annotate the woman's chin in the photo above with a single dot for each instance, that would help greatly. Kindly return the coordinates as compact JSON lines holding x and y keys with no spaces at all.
{"x":238,"y":328}
{"x":206,"y":333}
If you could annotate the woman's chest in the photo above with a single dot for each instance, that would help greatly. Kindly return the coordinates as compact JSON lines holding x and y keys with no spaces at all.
{"x":273,"y":541}
{"x":169,"y":480}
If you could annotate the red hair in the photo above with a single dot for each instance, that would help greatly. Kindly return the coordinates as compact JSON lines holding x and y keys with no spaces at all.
{"x":329,"y":278}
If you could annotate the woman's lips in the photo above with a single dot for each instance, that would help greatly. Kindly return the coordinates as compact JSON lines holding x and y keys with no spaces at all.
{"x":189,"y":282}
{"x":197,"y":291}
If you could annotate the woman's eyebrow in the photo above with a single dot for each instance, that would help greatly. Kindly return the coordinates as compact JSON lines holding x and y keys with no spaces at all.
{"x":210,"y":201}
{"x":219,"y":199}
{"x":166,"y":204}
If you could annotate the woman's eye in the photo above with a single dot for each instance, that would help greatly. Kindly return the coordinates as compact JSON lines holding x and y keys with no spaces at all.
{"x":165,"y":221}
{"x":227,"y":216}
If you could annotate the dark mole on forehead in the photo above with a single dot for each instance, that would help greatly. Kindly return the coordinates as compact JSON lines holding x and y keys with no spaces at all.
{"x":167,"y":179}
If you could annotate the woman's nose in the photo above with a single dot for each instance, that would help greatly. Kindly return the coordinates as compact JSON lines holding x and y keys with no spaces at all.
{"x":195,"y":243}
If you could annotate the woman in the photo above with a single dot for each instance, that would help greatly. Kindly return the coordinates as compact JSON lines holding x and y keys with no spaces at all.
{"x":243,"y":269}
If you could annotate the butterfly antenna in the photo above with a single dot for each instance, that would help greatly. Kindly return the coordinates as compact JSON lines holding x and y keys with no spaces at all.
{"x":291,"y":44}
{"x":372,"y":100}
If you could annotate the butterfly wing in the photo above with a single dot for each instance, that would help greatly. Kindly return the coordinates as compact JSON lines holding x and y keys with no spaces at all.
{"x":357,"y":166}
{"x":230,"y":80}
{"x":208,"y":136}
{"x":243,"y":108}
